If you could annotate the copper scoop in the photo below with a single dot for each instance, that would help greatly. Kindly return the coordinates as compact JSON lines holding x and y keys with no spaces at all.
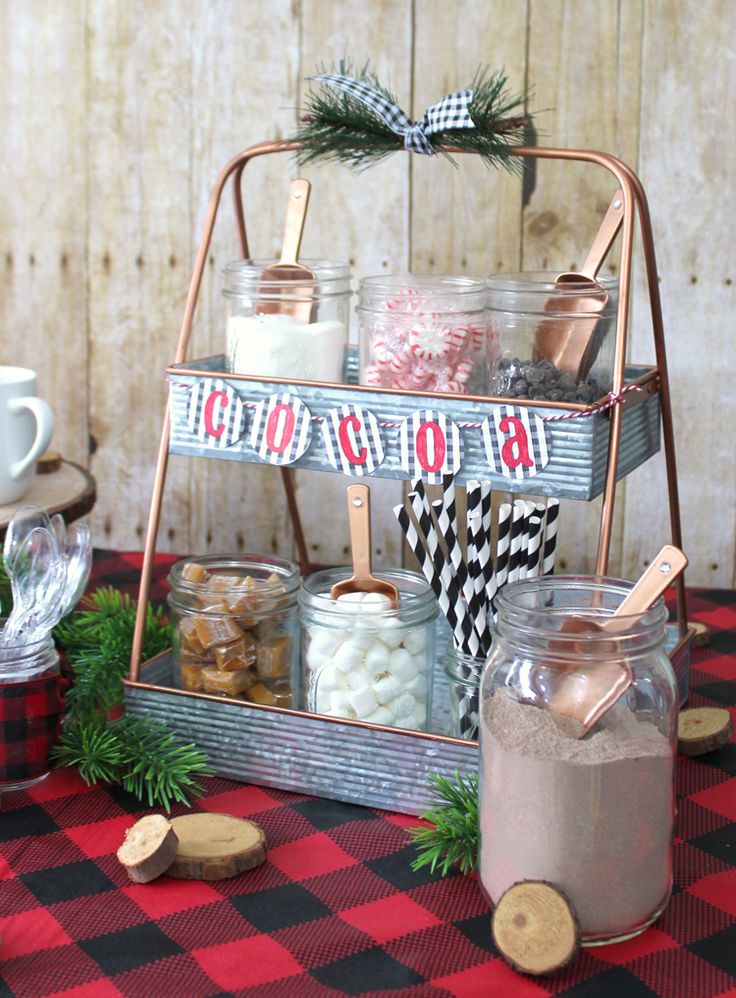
{"x":288,"y":277}
{"x":583,"y":697}
{"x":359,"y":519}
{"x":571,"y":343}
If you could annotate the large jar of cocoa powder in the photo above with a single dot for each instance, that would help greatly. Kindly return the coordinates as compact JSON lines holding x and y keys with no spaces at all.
{"x":593,"y":815}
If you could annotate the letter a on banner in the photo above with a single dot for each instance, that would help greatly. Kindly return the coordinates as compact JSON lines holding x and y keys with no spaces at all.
{"x":430,"y":446}
{"x":216,"y":414}
{"x":282,"y":429}
{"x":515,"y":440}
{"x":352,"y":440}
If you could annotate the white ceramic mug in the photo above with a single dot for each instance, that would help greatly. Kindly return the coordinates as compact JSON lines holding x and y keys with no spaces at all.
{"x":26,"y":427}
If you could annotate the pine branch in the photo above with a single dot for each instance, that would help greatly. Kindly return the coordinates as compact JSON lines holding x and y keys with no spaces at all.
{"x":453,"y":841}
{"x":337,"y":127}
{"x":6,"y":594}
{"x":156,"y":766}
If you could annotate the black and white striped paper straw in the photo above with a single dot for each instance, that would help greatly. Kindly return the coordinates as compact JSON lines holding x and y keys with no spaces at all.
{"x":550,"y":536}
{"x":534,"y":547}
{"x":524,"y":550}
{"x":517,"y":527}
{"x":502,"y":544}
{"x":477,"y":605}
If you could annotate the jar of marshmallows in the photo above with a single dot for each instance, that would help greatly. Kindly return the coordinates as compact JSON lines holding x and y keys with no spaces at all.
{"x":364,"y":658}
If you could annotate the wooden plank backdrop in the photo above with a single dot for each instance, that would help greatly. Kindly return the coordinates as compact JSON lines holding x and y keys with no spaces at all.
{"x":117,"y":116}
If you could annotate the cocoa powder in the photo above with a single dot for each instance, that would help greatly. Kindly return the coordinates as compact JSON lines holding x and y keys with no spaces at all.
{"x":592,"y":816}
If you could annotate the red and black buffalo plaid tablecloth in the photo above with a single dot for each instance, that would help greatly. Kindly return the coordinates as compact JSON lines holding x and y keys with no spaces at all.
{"x":336,"y":908}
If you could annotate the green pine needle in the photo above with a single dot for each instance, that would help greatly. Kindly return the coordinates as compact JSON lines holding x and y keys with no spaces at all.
{"x":6,"y":594}
{"x":453,"y":841}
{"x":335,"y":126}
{"x":140,"y":753}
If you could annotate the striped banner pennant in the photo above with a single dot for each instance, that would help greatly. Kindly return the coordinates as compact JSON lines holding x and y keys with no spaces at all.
{"x":430,"y":446}
{"x":282,"y":429}
{"x":353,"y":441}
{"x":216,"y":415}
{"x":515,"y":440}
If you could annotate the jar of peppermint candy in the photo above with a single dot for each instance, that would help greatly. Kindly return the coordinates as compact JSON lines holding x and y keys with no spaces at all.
{"x":423,"y":333}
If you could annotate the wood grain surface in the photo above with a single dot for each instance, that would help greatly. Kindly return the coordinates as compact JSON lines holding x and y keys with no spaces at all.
{"x":117,"y":117}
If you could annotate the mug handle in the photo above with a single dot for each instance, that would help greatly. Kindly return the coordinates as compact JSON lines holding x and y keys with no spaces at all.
{"x":44,"y":430}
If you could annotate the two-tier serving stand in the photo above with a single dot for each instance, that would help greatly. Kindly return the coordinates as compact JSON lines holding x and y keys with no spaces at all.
{"x":352,"y":760}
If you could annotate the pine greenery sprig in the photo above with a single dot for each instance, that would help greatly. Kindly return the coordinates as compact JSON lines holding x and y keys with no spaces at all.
{"x":336,"y":126}
{"x":139,"y":753}
{"x":6,"y":594}
{"x":453,"y":839}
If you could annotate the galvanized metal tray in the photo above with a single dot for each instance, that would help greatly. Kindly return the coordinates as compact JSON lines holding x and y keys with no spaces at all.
{"x":578,"y":447}
{"x":343,"y":760}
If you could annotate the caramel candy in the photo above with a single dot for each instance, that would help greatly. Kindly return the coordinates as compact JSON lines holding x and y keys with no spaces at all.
{"x":279,"y":696}
{"x":240,"y":654}
{"x":216,"y":630}
{"x":193,"y":572}
{"x":191,"y":677}
{"x":189,"y":639}
{"x":231,"y":683}
{"x":274,"y":657}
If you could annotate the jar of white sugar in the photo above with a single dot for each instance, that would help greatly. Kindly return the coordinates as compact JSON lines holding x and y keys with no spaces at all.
{"x":364,"y":658}
{"x":295,"y":330}
{"x":593,"y":815}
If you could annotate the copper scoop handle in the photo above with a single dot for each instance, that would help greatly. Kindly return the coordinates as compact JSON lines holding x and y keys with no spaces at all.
{"x":604,"y":237}
{"x":359,"y":521}
{"x":295,"y":214}
{"x":662,"y":572}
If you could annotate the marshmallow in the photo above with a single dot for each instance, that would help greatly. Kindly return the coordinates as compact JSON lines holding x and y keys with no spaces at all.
{"x":380,"y":716}
{"x":377,"y":658}
{"x":392,"y":632}
{"x":375,"y":603}
{"x":418,"y":686}
{"x":402,"y":666}
{"x":415,"y":639}
{"x":339,"y":703}
{"x":322,"y":701}
{"x":387,"y":689}
{"x":404,"y":705}
{"x":328,"y":679}
{"x":363,"y":701}
{"x":350,"y":602}
{"x":358,"y":677}
{"x":323,"y":641}
{"x":347,"y":656}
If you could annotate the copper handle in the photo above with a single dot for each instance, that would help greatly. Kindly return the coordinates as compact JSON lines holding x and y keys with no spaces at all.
{"x":661,"y":573}
{"x":359,"y":520}
{"x":295,"y":214}
{"x":604,"y":237}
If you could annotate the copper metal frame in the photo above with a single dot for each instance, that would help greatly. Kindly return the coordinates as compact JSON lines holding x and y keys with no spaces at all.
{"x":633,"y":195}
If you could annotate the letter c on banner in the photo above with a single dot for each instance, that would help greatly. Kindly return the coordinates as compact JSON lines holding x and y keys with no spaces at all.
{"x":286,"y":426}
{"x":348,"y":423}
{"x":208,"y":414}
{"x":439,"y":447}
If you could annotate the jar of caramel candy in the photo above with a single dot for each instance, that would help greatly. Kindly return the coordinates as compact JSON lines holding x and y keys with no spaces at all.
{"x":235,"y":627}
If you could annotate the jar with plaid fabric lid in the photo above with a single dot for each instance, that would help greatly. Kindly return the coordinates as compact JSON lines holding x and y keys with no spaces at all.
{"x":30,"y":711}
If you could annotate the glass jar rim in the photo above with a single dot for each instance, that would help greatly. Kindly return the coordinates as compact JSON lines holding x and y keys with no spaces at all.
{"x":534,"y":621}
{"x":243,"y":277}
{"x":246,"y":564}
{"x":420,"y":605}
{"x":544,"y":283}
{"x":439,"y":283}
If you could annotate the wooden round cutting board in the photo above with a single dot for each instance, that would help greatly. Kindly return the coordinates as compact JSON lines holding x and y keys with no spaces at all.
{"x":215,"y":846}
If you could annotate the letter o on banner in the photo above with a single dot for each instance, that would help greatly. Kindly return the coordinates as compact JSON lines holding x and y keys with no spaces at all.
{"x":430,"y":446}
{"x":216,"y":413}
{"x":281,"y":429}
{"x":515,"y":439}
{"x":352,"y":439}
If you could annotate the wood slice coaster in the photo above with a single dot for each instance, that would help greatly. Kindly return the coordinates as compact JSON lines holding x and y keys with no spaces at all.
{"x":149,"y":848}
{"x":216,"y":846}
{"x":701,"y":637}
{"x":703,"y":729}
{"x":535,"y":928}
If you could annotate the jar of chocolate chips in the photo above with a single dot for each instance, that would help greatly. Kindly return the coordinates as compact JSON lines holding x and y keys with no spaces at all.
{"x":235,"y":626}
{"x":555,"y":341}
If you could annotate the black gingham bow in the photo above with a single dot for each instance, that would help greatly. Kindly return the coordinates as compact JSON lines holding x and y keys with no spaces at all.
{"x":451,"y":112}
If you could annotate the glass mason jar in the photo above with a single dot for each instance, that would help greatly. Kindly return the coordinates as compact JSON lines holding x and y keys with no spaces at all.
{"x":293,"y":330}
{"x":464,"y":674}
{"x":31,"y":708}
{"x":423,"y":333}
{"x":364,"y":659}
{"x":235,"y":626}
{"x":554,"y":342}
{"x":592,"y":816}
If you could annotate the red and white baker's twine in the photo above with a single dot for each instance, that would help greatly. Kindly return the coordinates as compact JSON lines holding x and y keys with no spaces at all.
{"x":613,"y":398}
